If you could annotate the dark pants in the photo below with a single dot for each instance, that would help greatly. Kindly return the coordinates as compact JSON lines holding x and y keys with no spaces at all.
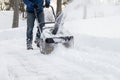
{"x":30,"y":25}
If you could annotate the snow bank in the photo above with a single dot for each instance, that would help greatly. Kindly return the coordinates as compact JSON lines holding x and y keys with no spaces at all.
{"x":81,"y":8}
{"x":105,"y":26}
{"x":99,"y":27}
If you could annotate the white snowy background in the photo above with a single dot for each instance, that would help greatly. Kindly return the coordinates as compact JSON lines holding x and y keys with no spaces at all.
{"x":95,"y":56}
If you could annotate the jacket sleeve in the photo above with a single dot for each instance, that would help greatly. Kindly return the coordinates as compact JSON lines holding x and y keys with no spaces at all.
{"x":47,"y":1}
{"x":28,"y":3}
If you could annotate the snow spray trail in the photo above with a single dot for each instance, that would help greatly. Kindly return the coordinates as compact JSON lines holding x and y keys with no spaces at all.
{"x":92,"y":63}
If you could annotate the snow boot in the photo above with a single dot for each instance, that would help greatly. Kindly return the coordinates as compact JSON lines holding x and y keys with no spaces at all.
{"x":29,"y":45}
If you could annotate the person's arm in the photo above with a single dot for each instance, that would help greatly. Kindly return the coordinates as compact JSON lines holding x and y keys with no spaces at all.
{"x":28,"y":3}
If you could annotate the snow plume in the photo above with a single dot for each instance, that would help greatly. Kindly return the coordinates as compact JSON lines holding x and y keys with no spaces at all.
{"x":94,"y":26}
{"x":91,"y":9}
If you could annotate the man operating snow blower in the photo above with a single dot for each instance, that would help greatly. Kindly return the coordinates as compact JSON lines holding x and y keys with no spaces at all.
{"x":31,"y":6}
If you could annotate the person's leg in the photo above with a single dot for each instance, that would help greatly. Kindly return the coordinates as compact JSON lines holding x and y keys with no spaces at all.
{"x":30,"y":25}
{"x":40,"y":17}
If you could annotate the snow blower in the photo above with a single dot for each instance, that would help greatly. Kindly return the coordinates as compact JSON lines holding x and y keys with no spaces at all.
{"x":51,"y":36}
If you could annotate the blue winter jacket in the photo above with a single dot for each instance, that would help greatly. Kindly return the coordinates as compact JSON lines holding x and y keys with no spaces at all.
{"x":29,"y":4}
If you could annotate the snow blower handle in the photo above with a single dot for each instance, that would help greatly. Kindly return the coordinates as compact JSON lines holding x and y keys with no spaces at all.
{"x":35,"y":11}
{"x":43,"y":23}
{"x":38,"y":24}
{"x":53,"y":11}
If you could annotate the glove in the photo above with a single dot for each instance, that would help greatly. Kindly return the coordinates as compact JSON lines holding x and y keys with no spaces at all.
{"x":35,"y":5}
{"x":47,"y":5}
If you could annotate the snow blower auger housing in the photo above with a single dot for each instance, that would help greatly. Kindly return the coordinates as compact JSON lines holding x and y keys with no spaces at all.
{"x":50,"y":35}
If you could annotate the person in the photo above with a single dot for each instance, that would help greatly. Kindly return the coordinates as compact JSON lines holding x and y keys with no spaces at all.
{"x":32,"y":5}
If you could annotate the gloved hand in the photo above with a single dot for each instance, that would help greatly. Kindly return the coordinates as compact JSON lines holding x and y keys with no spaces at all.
{"x":35,"y":6}
{"x":47,"y":5}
